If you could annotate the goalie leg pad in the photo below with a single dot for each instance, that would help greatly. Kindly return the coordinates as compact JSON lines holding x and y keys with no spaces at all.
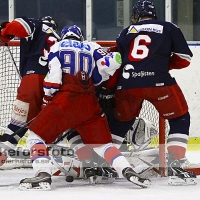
{"x":141,"y":133}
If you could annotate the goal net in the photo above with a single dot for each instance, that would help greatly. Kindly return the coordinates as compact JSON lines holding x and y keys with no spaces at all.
{"x":9,"y":82}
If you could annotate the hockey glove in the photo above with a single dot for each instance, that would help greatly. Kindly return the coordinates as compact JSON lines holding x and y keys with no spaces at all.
{"x":5,"y":38}
{"x":106,"y":99}
{"x":46,"y":100}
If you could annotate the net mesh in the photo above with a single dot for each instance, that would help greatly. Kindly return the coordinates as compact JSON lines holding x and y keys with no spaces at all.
{"x":9,"y":82}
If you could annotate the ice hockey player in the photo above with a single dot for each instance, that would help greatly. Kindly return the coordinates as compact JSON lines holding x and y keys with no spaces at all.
{"x":75,"y":67}
{"x":36,"y":38}
{"x":149,"y":49}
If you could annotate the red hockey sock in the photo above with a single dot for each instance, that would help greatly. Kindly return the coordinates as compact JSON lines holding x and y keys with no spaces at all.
{"x":177,"y":152}
{"x":38,"y":151}
{"x":111,"y":154}
{"x":84,"y":153}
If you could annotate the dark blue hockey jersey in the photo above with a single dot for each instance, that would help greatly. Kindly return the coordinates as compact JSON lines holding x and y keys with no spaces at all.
{"x":34,"y":48}
{"x":149,"y":49}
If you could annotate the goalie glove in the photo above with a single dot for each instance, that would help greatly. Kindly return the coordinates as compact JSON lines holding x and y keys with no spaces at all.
{"x":19,"y":27}
{"x":46,"y":100}
{"x":106,"y":99}
{"x":5,"y":38}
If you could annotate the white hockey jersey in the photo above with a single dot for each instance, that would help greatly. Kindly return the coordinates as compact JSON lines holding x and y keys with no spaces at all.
{"x":71,"y":56}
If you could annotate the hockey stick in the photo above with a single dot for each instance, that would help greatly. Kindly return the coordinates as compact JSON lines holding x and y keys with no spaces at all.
{"x":61,"y":137}
{"x":12,"y":59}
{"x":69,"y":177}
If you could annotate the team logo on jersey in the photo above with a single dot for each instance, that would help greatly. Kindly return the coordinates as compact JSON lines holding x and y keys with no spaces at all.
{"x":126,"y":74}
{"x":118,"y":58}
{"x":156,"y":28}
{"x":105,"y":61}
{"x":30,"y":72}
{"x":48,"y":31}
{"x":142,"y":74}
{"x":43,"y":60}
{"x":132,"y":30}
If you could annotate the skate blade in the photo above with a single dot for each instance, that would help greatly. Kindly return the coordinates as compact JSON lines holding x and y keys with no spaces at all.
{"x":91,"y":180}
{"x":104,"y":180}
{"x":44,"y":186}
{"x":176,"y":181}
{"x":98,"y":179}
{"x":108,"y":180}
{"x":144,"y":184}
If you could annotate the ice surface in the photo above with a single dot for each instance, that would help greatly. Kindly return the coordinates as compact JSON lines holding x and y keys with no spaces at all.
{"x":81,"y":190}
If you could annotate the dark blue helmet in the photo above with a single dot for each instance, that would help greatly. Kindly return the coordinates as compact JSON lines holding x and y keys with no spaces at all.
{"x":143,"y":8}
{"x":72,"y":32}
{"x":49,"y":21}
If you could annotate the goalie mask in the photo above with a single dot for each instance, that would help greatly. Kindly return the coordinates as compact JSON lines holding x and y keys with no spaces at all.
{"x":49,"y":21}
{"x":143,"y":8}
{"x":72,"y":32}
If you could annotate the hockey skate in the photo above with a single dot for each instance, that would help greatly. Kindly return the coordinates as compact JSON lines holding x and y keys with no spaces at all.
{"x":105,"y":174}
{"x":135,"y":178}
{"x":88,"y":170}
{"x":41,"y":182}
{"x":109,"y":172}
{"x":179,"y":176}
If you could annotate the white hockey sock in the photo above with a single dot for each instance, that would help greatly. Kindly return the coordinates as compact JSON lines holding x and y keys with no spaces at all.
{"x":42,"y":165}
{"x":119,"y":164}
{"x":41,"y":161}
